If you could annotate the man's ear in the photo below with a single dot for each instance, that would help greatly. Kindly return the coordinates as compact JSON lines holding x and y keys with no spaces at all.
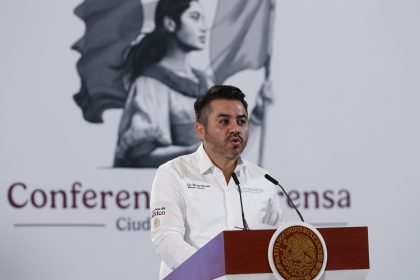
{"x":200,"y":130}
{"x":169,"y":24}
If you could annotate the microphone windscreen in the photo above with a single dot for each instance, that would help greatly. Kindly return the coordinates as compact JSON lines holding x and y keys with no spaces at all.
{"x":271,"y":179}
{"x":235,"y":178}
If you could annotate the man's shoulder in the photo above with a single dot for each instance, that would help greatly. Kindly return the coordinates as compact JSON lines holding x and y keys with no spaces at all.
{"x":252,"y":167}
{"x":256,"y":175}
{"x":179,"y":165}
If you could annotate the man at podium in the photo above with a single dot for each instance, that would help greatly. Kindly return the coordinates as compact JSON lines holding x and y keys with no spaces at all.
{"x":195,"y":197}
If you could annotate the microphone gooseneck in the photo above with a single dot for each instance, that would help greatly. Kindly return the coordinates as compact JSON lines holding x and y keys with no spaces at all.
{"x":240,"y":198}
{"x":275,"y":182}
{"x":235,"y":178}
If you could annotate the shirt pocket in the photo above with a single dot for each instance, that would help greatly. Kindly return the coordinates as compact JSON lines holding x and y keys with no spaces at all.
{"x":258,"y":207}
{"x":204,"y":205}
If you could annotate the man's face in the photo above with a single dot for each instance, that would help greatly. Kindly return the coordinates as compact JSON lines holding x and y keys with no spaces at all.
{"x":226,"y":132}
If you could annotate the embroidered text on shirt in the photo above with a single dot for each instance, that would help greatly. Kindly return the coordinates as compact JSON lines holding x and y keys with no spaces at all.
{"x":197,"y":186}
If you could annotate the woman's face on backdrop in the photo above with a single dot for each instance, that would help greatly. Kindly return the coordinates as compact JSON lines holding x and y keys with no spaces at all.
{"x":193,"y":29}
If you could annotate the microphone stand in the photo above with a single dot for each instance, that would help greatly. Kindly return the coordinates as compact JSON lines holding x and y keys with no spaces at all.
{"x":275,"y":182}
{"x":240,"y":198}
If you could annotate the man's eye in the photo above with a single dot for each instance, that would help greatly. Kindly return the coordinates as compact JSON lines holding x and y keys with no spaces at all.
{"x":242,"y":121}
{"x":224,"y":121}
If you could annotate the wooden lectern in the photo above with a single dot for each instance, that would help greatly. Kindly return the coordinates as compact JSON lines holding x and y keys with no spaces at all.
{"x":243,"y":255}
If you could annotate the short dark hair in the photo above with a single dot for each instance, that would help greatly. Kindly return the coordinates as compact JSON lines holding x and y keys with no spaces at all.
{"x":202,"y":104}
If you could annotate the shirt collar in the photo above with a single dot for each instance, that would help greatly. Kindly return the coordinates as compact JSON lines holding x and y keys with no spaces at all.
{"x":205,"y":163}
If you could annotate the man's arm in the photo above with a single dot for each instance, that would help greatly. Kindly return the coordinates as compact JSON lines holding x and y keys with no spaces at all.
{"x":168,"y":217}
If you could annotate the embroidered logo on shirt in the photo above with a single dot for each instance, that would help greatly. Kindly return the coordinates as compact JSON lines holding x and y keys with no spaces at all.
{"x":251,"y":190}
{"x":158,"y":212}
{"x":156,"y":222}
{"x":198,"y":186}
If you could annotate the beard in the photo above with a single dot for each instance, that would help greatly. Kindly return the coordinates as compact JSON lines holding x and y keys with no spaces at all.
{"x":231,"y":147}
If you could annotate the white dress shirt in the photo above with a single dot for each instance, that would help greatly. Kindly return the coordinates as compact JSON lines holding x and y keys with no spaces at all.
{"x":191,"y":203}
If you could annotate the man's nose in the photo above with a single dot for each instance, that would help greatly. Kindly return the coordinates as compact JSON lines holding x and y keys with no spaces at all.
{"x":234,"y":127}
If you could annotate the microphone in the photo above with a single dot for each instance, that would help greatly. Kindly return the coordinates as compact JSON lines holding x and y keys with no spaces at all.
{"x":275,"y":182}
{"x":240,"y":198}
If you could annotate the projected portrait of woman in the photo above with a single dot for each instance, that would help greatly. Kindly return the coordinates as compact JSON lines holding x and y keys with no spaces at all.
{"x":158,"y":119}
